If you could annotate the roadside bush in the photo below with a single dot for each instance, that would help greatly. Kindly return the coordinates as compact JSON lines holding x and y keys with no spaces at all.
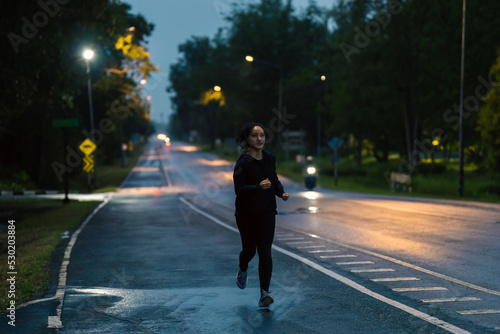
{"x":431,"y":169}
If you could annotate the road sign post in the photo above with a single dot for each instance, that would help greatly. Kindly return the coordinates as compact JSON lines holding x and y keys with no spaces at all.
{"x":335,"y":144}
{"x":65,"y":123}
{"x":87,"y":147}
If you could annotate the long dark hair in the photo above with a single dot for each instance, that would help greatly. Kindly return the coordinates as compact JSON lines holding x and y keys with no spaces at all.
{"x":244,"y":133}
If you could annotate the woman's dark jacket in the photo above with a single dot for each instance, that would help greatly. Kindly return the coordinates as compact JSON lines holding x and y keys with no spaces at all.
{"x":248,"y":173}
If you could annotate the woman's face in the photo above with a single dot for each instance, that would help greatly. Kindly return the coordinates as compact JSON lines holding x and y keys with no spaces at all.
{"x":257,"y":138}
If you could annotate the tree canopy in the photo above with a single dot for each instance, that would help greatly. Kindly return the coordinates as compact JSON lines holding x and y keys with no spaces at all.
{"x":45,"y":78}
{"x":392,"y":70}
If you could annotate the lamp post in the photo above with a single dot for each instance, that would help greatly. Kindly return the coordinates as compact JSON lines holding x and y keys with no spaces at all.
{"x":280,"y":89}
{"x":318,"y":131}
{"x":461,"y":131}
{"x":88,"y":55}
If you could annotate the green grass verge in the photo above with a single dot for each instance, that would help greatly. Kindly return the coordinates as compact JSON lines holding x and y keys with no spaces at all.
{"x":371,"y":177}
{"x":39,"y":225}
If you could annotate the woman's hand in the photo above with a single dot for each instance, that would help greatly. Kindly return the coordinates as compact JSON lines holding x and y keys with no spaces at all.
{"x":265,"y":184}
{"x":285,"y":196}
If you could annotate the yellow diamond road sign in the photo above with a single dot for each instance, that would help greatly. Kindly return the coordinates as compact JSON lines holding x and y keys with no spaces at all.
{"x":87,"y":146}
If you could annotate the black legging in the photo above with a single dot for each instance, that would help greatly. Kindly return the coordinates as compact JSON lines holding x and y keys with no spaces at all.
{"x":257,"y":233}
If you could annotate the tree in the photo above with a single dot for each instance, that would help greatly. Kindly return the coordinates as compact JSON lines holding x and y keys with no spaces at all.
{"x":45,"y":78}
{"x":488,"y":123}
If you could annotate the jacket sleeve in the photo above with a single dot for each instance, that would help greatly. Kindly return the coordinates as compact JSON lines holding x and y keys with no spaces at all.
{"x":239,"y":180}
{"x":278,"y":187}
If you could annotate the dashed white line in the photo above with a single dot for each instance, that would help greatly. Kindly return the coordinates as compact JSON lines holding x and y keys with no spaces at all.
{"x":403,"y":263}
{"x":337,"y":256}
{"x":323,"y":251}
{"x":447,"y":300}
{"x":371,"y":270}
{"x":304,"y":247}
{"x":476,"y":312}
{"x":355,"y":262}
{"x":432,"y":288}
{"x":395,"y":279}
{"x":289,"y":239}
{"x":299,"y":242}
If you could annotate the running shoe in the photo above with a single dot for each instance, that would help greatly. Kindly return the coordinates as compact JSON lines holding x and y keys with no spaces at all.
{"x":265,"y":299}
{"x":241,"y":279}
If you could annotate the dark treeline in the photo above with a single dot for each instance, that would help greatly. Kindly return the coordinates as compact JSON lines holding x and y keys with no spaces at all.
{"x":392,"y":72}
{"x":44,"y":78}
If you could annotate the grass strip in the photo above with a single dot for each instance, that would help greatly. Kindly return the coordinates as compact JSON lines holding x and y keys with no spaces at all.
{"x":39,"y":225}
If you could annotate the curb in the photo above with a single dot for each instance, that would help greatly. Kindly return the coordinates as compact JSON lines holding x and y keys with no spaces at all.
{"x":29,"y":192}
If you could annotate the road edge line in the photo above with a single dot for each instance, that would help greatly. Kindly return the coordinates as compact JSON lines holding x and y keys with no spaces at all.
{"x":55,"y":321}
{"x":426,"y":317}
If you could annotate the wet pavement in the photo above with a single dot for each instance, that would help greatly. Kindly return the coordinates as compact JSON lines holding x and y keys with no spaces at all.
{"x":148,"y":263}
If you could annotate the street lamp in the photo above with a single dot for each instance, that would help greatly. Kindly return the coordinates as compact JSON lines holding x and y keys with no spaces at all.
{"x":88,"y":55}
{"x":461,"y":123}
{"x":318,"y":131}
{"x":280,"y":91}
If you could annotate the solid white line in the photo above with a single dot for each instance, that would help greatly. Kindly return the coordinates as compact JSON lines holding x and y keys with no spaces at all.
{"x":371,"y":270}
{"x":288,"y":239}
{"x":430,"y":319}
{"x":476,"y":312}
{"x":403,"y":263}
{"x":395,"y":279}
{"x":435,"y":288}
{"x":447,"y":300}
{"x":336,"y":256}
{"x":355,"y":262}
{"x":55,"y":321}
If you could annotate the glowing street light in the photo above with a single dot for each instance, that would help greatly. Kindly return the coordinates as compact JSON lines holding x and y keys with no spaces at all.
{"x":249,"y":58}
{"x":88,"y":54}
{"x":217,"y":88}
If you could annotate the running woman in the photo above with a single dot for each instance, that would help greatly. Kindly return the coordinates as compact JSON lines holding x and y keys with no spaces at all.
{"x":256,"y":185}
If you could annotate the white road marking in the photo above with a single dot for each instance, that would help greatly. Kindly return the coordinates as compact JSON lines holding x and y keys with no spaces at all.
{"x":354,"y":262}
{"x":403,"y":263}
{"x":476,"y":312}
{"x":395,"y":279}
{"x":279,"y":235}
{"x":371,"y":270}
{"x":421,"y":315}
{"x":323,"y":251}
{"x":289,"y":239}
{"x":55,"y":321}
{"x":447,"y":300}
{"x":299,"y":242}
{"x":434,"y":288}
{"x":337,"y":256}
{"x":303,"y":247}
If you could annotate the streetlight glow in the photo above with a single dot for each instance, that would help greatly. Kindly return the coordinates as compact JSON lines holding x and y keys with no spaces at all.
{"x":88,"y":54}
{"x":217,"y":88}
{"x":249,"y":58}
{"x":323,"y":78}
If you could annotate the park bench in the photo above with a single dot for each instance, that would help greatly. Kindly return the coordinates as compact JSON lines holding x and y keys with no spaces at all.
{"x":400,"y":181}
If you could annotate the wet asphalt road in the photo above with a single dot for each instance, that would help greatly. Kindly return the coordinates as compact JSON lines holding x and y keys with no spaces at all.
{"x":147,"y":262}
